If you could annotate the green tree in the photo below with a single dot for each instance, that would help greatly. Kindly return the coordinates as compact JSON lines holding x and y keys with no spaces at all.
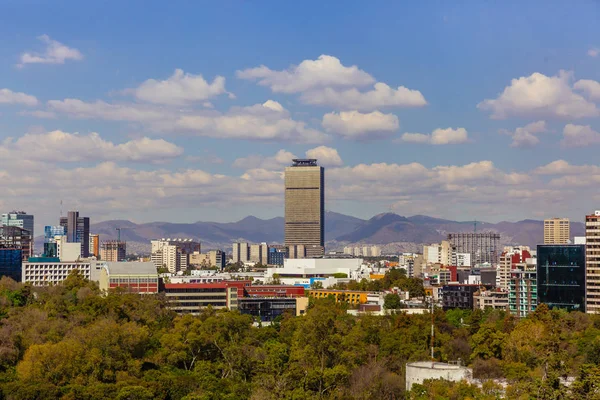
{"x":391,"y":301}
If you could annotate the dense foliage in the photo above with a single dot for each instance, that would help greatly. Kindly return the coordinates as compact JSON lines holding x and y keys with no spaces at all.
{"x":70,"y":342}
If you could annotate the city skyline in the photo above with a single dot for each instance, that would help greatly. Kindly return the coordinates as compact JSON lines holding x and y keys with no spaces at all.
{"x":198,"y":120}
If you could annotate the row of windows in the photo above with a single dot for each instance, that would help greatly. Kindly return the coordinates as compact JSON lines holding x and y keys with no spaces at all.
{"x":134,"y":280}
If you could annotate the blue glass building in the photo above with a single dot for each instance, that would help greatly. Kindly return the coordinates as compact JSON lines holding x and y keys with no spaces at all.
{"x":10,"y":263}
{"x":561,"y":276}
{"x":275,"y":256}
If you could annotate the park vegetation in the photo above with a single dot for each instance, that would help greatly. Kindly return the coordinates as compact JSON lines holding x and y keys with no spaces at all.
{"x":69,"y":341}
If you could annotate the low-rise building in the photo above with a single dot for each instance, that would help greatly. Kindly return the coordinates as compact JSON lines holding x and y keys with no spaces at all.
{"x":266,"y":309}
{"x":44,"y":271}
{"x":137,"y":277}
{"x":352,"y":297}
{"x":458,"y":296}
{"x":317,"y":267}
{"x":496,"y":299}
{"x":191,"y":298}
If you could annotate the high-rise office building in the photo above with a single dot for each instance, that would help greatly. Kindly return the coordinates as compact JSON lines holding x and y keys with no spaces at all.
{"x":305,"y":206}
{"x":557,"y":231}
{"x":20,"y":219}
{"x":592,"y":263}
{"x":77,"y":230}
{"x":483,"y":247}
{"x":561,"y":276}
{"x":94,"y":245}
{"x":113,"y":251}
{"x":13,"y":237}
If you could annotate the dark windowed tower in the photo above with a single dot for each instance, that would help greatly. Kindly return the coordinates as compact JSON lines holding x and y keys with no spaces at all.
{"x":77,"y":230}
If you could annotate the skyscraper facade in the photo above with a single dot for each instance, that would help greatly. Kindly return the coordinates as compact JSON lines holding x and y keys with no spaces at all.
{"x":20,"y":219}
{"x":77,"y":230}
{"x":592,"y":263}
{"x":557,"y":231}
{"x":305,"y":206}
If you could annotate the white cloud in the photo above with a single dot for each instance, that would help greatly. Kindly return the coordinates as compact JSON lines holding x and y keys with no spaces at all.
{"x":269,"y":121}
{"x":382,"y":95}
{"x":326,"y":71}
{"x":179,"y":89}
{"x":255,"y":161}
{"x":58,"y":146}
{"x":38,"y":114}
{"x":526,"y":136}
{"x":589,"y":87}
{"x":593,"y":52}
{"x":540,"y":95}
{"x":438,"y":137}
{"x":326,"y":156}
{"x":579,"y":136}
{"x":7,"y":96}
{"x":356,"y":125}
{"x":562,"y":167}
{"x":55,"y":53}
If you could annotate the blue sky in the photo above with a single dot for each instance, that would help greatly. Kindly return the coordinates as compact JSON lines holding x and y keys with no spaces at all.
{"x":186,"y":147}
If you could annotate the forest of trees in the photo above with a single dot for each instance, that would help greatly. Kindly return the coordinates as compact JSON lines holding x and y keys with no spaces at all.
{"x":70,"y":342}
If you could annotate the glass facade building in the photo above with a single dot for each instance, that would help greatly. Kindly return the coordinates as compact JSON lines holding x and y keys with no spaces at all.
{"x":11,"y":263}
{"x":561,"y":276}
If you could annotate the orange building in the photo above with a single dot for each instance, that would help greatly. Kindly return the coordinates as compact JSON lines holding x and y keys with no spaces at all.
{"x":354,"y":297}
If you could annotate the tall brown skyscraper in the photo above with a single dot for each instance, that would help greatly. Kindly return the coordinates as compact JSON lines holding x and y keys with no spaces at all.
{"x":305,"y":206}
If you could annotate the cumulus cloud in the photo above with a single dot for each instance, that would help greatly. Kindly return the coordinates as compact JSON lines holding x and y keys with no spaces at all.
{"x":55,"y":53}
{"x":589,"y":87}
{"x":269,"y":121}
{"x":593,"y":52}
{"x":579,"y":136}
{"x":525,"y":136}
{"x":562,"y":167}
{"x":540,"y":95}
{"x":438,"y":137}
{"x":255,"y":161}
{"x":59,"y":146}
{"x":7,"y":96}
{"x":356,"y":125}
{"x":326,"y":156}
{"x":179,"y":89}
{"x":380,"y":96}
{"x":309,"y":74}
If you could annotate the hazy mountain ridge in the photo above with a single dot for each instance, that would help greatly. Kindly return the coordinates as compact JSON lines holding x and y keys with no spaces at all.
{"x":390,"y":230}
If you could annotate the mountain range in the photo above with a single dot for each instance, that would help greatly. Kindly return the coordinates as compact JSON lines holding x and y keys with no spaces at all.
{"x":391,"y":231}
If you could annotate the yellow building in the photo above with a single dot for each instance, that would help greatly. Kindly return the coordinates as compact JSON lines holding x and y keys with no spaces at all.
{"x":557,"y":231}
{"x":354,"y":297}
{"x":376,"y":276}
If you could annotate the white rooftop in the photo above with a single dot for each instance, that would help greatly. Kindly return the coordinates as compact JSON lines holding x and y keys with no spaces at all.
{"x":132,"y":267}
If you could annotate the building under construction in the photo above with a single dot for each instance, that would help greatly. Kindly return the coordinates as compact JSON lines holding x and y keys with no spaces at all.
{"x":483,"y":247}
{"x":113,"y":251}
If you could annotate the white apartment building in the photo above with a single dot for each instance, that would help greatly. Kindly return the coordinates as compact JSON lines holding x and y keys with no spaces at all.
{"x":173,"y":254}
{"x":461,"y":259}
{"x":438,"y":253}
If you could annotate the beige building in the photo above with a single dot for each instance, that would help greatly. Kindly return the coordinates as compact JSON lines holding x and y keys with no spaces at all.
{"x":113,"y":251}
{"x":259,"y":253}
{"x":94,"y":245}
{"x":305,"y":206}
{"x":438,"y":253}
{"x":592,"y":263}
{"x":496,"y":299}
{"x":241,"y":252}
{"x":557,"y":231}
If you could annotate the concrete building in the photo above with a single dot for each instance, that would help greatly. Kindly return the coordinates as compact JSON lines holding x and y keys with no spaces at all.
{"x":296,"y":251}
{"x":458,"y":296}
{"x":21,"y":220}
{"x":173,"y":254}
{"x":592,"y":263}
{"x":483,"y":247}
{"x":522,"y":295}
{"x":305,"y":206}
{"x":212,"y":259}
{"x":461,"y":259}
{"x":418,"y":372}
{"x":45,"y":271}
{"x":438,"y":253}
{"x":510,"y":257}
{"x":136,"y":277}
{"x":94,"y":245}
{"x":241,"y":252}
{"x":266,"y":309}
{"x":259,"y":253}
{"x":191,"y":298}
{"x":561,"y":276}
{"x":557,"y":231}
{"x":496,"y":299}
{"x":77,"y":230}
{"x":113,"y":251}
{"x":352,"y":297}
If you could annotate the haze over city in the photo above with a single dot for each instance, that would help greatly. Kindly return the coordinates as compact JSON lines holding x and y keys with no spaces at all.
{"x":461,"y":113}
